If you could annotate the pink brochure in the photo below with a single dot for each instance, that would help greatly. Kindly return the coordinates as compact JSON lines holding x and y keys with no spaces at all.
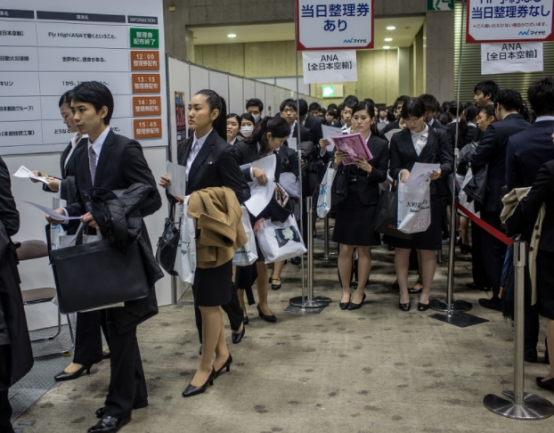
{"x":354,"y":145}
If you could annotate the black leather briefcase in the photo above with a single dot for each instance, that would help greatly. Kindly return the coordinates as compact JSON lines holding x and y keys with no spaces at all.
{"x":95,"y":275}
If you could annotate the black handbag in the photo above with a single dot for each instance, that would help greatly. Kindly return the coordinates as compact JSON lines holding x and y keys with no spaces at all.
{"x":96,"y":275}
{"x":386,"y":219}
{"x":168,"y":243}
{"x":476,"y":188}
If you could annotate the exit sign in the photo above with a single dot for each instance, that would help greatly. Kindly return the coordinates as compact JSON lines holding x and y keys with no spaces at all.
{"x":328,"y":91}
{"x":440,"y":5}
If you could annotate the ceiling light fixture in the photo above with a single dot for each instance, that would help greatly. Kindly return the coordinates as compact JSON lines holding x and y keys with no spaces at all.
{"x":386,"y":47}
{"x":391,"y":28}
{"x":231,"y":35}
{"x":388,"y":39}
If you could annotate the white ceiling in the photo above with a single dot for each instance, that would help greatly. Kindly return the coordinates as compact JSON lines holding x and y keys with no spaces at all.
{"x":403,"y":36}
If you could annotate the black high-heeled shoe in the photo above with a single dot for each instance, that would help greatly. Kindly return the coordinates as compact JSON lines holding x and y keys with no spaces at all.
{"x":465,"y":249}
{"x":422,"y":307}
{"x":245,"y":320}
{"x":226,"y":366}
{"x":270,"y":319}
{"x":72,"y":376}
{"x":404,"y":307}
{"x":354,"y":306}
{"x":191,"y":390}
{"x":547,"y":384}
{"x":238,"y":336}
{"x":275,"y":286}
{"x":344,"y":305}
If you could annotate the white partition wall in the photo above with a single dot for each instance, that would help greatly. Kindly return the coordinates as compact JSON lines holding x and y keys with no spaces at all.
{"x":236,"y":98}
{"x":199,"y":79}
{"x":260,"y":90}
{"x":219,"y":82}
{"x":269,"y":101}
{"x":248,"y":89}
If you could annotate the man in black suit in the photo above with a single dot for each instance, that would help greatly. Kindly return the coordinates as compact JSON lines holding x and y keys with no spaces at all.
{"x":113,"y":162}
{"x":397,"y":107}
{"x":432,"y":106}
{"x":16,"y":356}
{"x":492,"y":151}
{"x":255,"y":107}
{"x":485,"y":93}
{"x":289,"y":112}
{"x":311,"y":122}
{"x":527,"y":152}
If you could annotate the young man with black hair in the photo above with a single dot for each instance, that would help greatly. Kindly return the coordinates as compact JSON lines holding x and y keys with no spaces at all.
{"x":491,"y":152}
{"x":315,"y":109}
{"x":113,"y":162}
{"x":485,"y":93}
{"x":432,"y":107}
{"x":255,"y":107}
{"x":383,"y":115}
{"x":527,"y":152}
{"x":289,"y":112}
{"x":397,"y":107}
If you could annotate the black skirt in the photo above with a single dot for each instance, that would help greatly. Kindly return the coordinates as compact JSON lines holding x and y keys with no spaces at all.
{"x":430,"y":239}
{"x":213,"y":287}
{"x":354,"y":221}
{"x":545,"y":284}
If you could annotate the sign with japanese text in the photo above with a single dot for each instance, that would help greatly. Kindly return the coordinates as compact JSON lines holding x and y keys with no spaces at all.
{"x":329,"y":66}
{"x":334,"y":24}
{"x":49,"y":47}
{"x":511,"y":57}
{"x":491,"y":21}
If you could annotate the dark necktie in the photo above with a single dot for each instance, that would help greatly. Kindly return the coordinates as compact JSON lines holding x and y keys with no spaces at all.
{"x":92,"y":163}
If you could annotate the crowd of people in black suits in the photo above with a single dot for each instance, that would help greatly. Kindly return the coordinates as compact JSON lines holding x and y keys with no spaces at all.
{"x":502,"y":140}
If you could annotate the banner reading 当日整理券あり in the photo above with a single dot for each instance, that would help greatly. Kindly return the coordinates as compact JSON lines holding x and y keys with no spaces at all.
{"x":491,"y":21}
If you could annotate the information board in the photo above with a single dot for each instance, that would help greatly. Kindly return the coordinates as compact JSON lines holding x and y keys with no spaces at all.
{"x":49,"y":47}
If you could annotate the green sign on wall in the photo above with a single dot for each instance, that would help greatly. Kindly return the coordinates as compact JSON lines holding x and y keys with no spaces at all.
{"x":145,"y":38}
{"x":328,"y":91}
{"x":440,"y":5}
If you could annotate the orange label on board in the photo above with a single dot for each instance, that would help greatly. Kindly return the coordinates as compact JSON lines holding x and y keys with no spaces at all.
{"x":145,"y":60}
{"x":147,"y":128}
{"x":146,"y":83}
{"x":147,"y":105}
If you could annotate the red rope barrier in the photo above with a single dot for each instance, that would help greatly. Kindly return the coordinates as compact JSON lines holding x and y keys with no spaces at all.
{"x":487,"y":227}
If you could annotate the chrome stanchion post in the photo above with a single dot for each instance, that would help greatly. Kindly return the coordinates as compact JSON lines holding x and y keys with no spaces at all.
{"x":326,"y":256}
{"x":521,"y":405}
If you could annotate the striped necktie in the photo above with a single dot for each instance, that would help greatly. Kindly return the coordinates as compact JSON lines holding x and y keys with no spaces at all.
{"x":92,"y":163}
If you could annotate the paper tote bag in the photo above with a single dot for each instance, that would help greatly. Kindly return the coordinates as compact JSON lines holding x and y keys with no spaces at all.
{"x":280,"y":241}
{"x":414,"y":207}
{"x":247,"y":254}
{"x":95,"y":275}
{"x":324,"y":198}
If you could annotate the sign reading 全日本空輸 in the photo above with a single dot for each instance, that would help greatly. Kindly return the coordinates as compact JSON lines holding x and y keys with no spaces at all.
{"x":509,"y":21}
{"x":511,"y":57}
{"x":334,"y":24}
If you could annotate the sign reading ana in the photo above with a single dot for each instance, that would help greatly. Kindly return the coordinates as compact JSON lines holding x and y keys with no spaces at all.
{"x":509,"y":21}
{"x":511,"y":57}
{"x":334,"y":24}
{"x":329,"y":66}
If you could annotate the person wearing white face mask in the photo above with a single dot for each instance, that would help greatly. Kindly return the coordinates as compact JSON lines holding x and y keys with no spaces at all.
{"x":255,"y":107}
{"x":247,"y":123}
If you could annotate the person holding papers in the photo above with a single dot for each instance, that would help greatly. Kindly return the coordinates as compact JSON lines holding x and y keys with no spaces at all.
{"x":267,"y":139}
{"x":355,"y":214}
{"x":419,"y":143}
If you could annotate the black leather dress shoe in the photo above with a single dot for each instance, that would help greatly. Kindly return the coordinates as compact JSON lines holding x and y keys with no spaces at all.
{"x":226,"y":367}
{"x":492,"y":304}
{"x":102,"y":411}
{"x":404,"y":307}
{"x":530,"y":355}
{"x":422,"y":307}
{"x":191,"y":390}
{"x":72,"y":376}
{"x":237,"y":338}
{"x":354,"y":306}
{"x":548,"y":384}
{"x":109,"y":424}
{"x":270,"y":319}
{"x":344,"y":305}
{"x":413,"y":291}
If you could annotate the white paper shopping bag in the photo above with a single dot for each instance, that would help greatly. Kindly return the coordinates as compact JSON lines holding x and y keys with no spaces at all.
{"x":280,"y":241}
{"x":414,"y":207}
{"x":248,"y":253}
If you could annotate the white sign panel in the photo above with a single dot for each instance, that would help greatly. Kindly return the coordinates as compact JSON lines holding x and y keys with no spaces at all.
{"x":510,"y":21}
{"x":329,"y":66}
{"x":511,"y":57}
{"x":334,"y":24}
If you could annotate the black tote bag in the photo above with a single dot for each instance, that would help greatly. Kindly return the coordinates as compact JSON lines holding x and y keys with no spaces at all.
{"x":168,"y":244}
{"x":95,"y":275}
{"x":387,"y":215}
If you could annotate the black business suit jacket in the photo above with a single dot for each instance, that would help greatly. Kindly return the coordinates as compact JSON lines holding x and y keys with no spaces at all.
{"x":305,"y":134}
{"x":246,"y":153}
{"x":8,"y":211}
{"x":437,"y":151}
{"x":314,"y":125}
{"x":121,"y":164}
{"x":526,"y":153}
{"x":390,"y":127}
{"x":368,"y":183}
{"x":288,"y":161}
{"x":437,"y":126}
{"x":469,"y":135}
{"x":492,"y":151}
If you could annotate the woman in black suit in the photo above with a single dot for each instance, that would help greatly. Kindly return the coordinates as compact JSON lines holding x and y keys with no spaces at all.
{"x":419,"y":143}
{"x":355,"y":214}
{"x":268,"y":138}
{"x":88,"y":337}
{"x":210,"y":162}
{"x":523,"y":221}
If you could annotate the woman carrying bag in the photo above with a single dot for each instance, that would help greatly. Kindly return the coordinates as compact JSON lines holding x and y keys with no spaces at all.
{"x":419,"y":143}
{"x":210,"y":162}
{"x":355,"y":214}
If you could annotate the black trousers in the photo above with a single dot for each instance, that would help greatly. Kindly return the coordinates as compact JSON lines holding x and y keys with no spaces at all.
{"x":5,"y":407}
{"x":233,"y":310}
{"x":479,"y":271}
{"x":531,"y":326}
{"x":493,"y":250}
{"x":88,"y":337}
{"x":127,"y":382}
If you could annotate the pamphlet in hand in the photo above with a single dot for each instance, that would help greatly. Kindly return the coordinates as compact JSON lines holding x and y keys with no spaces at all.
{"x":178,"y":176}
{"x":354,"y":145}
{"x":24,"y":172}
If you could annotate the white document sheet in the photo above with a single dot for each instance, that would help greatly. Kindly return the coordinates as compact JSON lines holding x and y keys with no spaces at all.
{"x":178,"y":176}
{"x":51,"y":213}
{"x":421,"y":172}
{"x":292,"y":143}
{"x":261,"y":195}
{"x":328,"y":133}
{"x":25,"y":173}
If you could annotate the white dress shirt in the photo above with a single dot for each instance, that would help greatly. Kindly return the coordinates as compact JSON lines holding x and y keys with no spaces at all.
{"x":420,"y":139}
{"x":74,"y":142}
{"x":544,"y":119}
{"x":195,"y":150}
{"x":97,"y":145}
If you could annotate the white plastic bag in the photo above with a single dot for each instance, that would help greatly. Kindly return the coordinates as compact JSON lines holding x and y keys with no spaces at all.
{"x":247,"y":254}
{"x":324,"y":198}
{"x":462,"y":196}
{"x":280,"y":241}
{"x":186,"y":250}
{"x":414,"y":207}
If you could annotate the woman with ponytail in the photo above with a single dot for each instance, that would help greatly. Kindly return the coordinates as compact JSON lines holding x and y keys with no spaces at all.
{"x":210,"y":162}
